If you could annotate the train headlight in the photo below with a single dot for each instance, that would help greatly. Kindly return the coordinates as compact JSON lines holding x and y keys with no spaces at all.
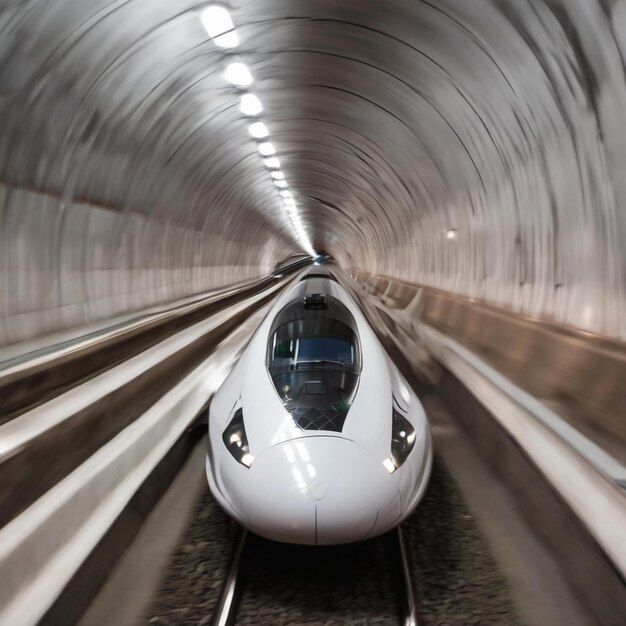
{"x":235,"y":440}
{"x":402,"y":442}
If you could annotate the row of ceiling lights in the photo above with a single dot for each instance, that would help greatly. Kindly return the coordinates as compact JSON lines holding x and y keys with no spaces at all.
{"x":219,"y":26}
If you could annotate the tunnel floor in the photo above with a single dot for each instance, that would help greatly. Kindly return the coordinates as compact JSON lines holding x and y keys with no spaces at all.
{"x":456,"y":578}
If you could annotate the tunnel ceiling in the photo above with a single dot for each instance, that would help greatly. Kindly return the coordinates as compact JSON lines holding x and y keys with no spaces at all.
{"x":476,"y":146}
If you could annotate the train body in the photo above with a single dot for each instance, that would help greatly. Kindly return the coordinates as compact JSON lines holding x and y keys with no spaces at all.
{"x":315,"y":437}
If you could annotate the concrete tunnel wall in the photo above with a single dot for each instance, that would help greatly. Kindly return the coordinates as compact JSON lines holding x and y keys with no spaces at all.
{"x":129,"y":178}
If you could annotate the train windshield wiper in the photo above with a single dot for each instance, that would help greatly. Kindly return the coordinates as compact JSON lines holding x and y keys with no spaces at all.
{"x":318,"y":362}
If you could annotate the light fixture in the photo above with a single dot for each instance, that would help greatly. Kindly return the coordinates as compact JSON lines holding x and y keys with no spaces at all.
{"x":451,"y":233}
{"x":277,"y":175}
{"x":280,"y":183}
{"x":250,"y":104}
{"x":238,"y":74}
{"x":289,"y":202}
{"x":286,"y":194}
{"x":266,"y":148}
{"x":258,"y":130}
{"x":389,"y":465}
{"x":272,"y":163}
{"x":219,"y":26}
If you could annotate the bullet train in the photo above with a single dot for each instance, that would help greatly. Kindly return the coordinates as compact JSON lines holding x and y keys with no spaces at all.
{"x":315,"y":437}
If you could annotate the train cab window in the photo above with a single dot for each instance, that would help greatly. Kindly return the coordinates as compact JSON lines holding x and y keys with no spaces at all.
{"x":313,"y":351}
{"x":314,"y":363}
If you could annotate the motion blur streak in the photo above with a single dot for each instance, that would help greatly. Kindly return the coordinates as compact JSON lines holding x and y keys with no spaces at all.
{"x":127,"y":176}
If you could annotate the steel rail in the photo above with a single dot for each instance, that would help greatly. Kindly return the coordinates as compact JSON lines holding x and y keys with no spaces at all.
{"x":228,"y":603}
{"x":225,"y":612}
{"x":409,"y":602}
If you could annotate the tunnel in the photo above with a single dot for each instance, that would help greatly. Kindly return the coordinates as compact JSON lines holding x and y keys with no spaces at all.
{"x":456,"y":164}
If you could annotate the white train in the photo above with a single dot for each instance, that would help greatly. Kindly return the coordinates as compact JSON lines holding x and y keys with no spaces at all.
{"x":315,"y":437}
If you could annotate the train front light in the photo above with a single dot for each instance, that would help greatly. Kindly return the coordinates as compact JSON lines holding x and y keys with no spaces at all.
{"x":402,"y":442}
{"x":236,"y":441}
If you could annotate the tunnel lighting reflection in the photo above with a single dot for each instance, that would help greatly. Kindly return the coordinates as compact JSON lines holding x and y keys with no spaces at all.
{"x":250,"y":104}
{"x":404,"y":392}
{"x":303,"y":453}
{"x":297,"y":474}
{"x":291,"y":457}
{"x":277,"y":175}
{"x":219,"y":26}
{"x":281,"y":183}
{"x":272,"y":163}
{"x":238,"y":74}
{"x":451,"y":233}
{"x":286,"y":194}
{"x":289,"y":202}
{"x":267,"y":148}
{"x":258,"y":130}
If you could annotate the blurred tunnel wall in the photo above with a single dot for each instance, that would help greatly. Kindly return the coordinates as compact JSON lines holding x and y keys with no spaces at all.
{"x":67,"y":264}
{"x":477,"y":147}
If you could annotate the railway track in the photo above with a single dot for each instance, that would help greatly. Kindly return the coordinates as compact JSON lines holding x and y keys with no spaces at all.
{"x":451,"y":566}
{"x":227,"y":607}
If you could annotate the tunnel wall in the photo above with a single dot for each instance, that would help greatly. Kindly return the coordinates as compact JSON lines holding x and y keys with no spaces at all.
{"x":537,"y":192}
{"x":394,"y":122}
{"x":121,"y":183}
{"x":65,"y":265}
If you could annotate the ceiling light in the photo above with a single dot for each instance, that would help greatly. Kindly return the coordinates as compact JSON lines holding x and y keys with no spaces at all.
{"x":238,"y":74}
{"x":451,"y":233}
{"x":272,"y":163}
{"x":289,"y":202}
{"x":258,"y":130}
{"x":267,"y":148}
{"x":277,"y":175}
{"x":219,"y":26}
{"x":250,"y":104}
{"x":280,"y":183}
{"x":286,"y":194}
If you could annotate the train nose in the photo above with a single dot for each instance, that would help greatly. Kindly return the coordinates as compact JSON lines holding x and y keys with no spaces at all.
{"x":319,"y":490}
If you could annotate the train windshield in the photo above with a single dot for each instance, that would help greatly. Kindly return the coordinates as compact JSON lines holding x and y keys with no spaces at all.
{"x":318,"y":351}
{"x":314,"y":364}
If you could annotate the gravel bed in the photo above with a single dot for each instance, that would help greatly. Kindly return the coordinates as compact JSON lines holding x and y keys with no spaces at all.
{"x":456,"y":579}
{"x":191,"y":585}
{"x":348,"y":585}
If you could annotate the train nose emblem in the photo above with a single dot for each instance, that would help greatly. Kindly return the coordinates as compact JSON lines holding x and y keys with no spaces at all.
{"x":317,"y":492}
